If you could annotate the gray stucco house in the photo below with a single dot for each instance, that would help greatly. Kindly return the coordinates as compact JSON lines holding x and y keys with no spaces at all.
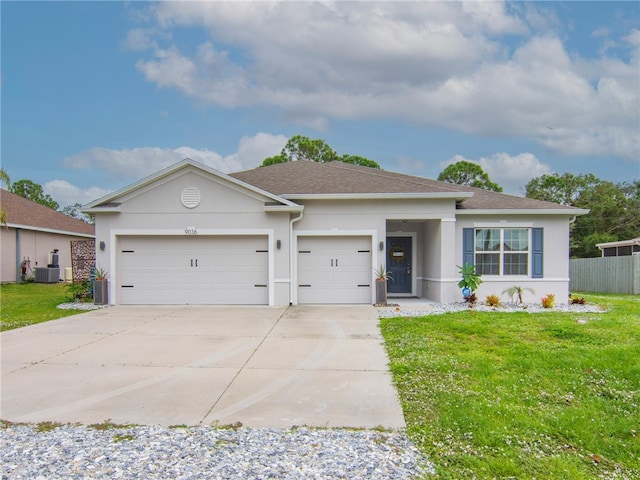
{"x":305,"y":232}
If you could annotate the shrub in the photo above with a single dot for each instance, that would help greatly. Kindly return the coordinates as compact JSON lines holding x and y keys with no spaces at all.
{"x":79,"y":291}
{"x":578,"y":301}
{"x":549,"y":300}
{"x":492,"y":300}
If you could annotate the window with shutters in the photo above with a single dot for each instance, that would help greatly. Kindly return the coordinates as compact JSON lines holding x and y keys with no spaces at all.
{"x":502,"y":251}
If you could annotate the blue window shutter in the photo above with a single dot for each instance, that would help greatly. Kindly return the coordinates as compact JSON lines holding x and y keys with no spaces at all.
{"x":467,"y":246}
{"x":536,"y":249}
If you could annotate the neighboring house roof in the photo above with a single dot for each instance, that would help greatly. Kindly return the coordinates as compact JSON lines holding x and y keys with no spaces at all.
{"x":619,"y":243}
{"x":305,"y":179}
{"x":23,"y":213}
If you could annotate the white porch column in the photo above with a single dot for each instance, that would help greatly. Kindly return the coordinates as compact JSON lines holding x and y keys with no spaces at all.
{"x":450,"y":256}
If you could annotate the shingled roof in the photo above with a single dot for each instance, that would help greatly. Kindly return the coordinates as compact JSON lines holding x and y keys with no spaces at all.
{"x":24,"y":213}
{"x":300,"y":178}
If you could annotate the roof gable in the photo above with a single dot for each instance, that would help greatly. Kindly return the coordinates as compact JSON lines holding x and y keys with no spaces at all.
{"x":25,"y":213}
{"x":111,"y":201}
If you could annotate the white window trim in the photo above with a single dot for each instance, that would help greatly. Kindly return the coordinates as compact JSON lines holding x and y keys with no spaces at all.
{"x":501,"y":252}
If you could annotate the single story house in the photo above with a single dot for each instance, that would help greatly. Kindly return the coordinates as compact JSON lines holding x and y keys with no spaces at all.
{"x":31,"y":232}
{"x":620,"y":248}
{"x":312,"y":233}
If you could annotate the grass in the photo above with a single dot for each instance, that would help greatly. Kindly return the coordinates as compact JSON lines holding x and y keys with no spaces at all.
{"x":519,"y":395}
{"x":29,"y":303}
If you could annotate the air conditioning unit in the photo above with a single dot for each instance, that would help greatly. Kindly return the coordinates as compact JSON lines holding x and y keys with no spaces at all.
{"x":47,"y":275}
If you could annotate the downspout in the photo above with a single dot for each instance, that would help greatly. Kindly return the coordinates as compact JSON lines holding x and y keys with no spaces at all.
{"x":291,"y":256}
{"x":18,"y":255}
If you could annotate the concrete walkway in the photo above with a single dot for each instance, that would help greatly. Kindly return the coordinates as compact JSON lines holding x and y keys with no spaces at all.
{"x":189,"y":365}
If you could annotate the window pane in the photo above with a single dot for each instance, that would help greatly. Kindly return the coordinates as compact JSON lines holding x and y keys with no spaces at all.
{"x":516,"y":264}
{"x":516,"y":239}
{"x":488,"y":263}
{"x":487,"y":240}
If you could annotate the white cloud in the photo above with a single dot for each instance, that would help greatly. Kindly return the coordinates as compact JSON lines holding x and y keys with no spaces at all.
{"x":431,"y":63}
{"x":67,"y":194}
{"x":129,"y":165}
{"x":136,"y":163}
{"x":511,"y":172}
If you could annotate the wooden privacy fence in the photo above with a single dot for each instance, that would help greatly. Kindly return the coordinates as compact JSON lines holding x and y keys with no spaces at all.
{"x":605,"y":274}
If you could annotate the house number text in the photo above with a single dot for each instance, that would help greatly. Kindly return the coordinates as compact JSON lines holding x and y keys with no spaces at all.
{"x":190,"y":231}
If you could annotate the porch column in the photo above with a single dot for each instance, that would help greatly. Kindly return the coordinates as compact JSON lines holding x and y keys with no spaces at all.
{"x":449,"y":258}
{"x":18,"y":255}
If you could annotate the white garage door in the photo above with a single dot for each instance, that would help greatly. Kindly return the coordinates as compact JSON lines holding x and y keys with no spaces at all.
{"x":334,"y":270}
{"x":193,"y":270}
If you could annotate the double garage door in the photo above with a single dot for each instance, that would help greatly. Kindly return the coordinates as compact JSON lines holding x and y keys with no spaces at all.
{"x":193,"y":270}
{"x":334,"y":269}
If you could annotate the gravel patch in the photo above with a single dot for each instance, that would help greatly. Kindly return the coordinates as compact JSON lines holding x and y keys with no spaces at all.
{"x":151,"y":452}
{"x":80,"y":306}
{"x":440,"y":308}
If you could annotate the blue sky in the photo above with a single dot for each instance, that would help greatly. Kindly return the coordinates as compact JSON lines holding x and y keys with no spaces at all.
{"x":96,"y":95}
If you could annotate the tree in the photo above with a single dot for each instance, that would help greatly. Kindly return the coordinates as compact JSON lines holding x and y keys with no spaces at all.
{"x":74,"y":211}
{"x":358,"y":160}
{"x":564,"y":189}
{"x":470,"y":174}
{"x":4,"y":177}
{"x":33,"y":191}
{"x":613,"y":208}
{"x":300,"y":147}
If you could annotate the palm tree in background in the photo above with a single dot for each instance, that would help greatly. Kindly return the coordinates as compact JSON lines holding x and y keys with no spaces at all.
{"x":4,"y":178}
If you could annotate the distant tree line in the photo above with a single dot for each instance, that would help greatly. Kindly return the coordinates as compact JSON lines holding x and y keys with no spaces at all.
{"x":614,"y":208}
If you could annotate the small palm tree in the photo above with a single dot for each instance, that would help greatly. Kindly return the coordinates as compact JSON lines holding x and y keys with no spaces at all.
{"x":517,"y":290}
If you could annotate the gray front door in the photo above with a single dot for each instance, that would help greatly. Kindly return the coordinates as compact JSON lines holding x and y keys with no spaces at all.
{"x":399,"y":264}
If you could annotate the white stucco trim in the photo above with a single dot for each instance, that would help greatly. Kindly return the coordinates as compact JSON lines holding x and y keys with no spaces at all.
{"x":114,"y":234}
{"x":329,"y":233}
{"x":503,"y":224}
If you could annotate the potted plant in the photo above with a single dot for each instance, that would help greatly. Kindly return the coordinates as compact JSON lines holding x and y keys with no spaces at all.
{"x":470,"y":282}
{"x":382,"y":275}
{"x":100,"y":287}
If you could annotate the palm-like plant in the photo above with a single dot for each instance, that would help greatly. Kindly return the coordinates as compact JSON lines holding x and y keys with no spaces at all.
{"x":470,"y":277}
{"x":4,"y":177}
{"x":517,"y":290}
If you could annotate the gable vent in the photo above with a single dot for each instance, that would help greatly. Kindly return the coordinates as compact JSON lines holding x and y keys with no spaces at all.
{"x":190,"y":197}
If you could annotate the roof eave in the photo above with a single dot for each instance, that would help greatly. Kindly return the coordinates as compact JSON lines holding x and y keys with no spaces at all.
{"x":283,"y":208}
{"x":48,"y":230}
{"x":523,"y":211}
{"x":377,"y":196}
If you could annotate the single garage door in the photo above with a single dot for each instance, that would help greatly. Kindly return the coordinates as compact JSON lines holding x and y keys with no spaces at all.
{"x":334,"y":270}
{"x":193,"y":270}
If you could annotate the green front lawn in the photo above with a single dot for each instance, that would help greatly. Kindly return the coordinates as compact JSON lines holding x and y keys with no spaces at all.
{"x":28,"y":303}
{"x":519,"y":395}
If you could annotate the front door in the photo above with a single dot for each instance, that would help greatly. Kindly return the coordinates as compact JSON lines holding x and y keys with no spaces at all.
{"x":399,"y":264}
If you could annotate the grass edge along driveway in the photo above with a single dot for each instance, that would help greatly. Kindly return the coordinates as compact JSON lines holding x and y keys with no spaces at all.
{"x":29,"y":303}
{"x":520,"y":395}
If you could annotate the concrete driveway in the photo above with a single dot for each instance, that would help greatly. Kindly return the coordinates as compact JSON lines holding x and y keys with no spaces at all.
{"x":190,"y":365}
